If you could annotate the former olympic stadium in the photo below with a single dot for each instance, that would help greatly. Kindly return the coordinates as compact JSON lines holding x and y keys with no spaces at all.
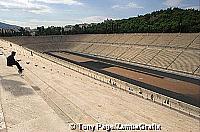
{"x":104,"y":78}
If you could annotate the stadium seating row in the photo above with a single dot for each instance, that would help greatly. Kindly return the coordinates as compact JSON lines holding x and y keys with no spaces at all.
{"x":185,"y":40}
{"x":176,"y":52}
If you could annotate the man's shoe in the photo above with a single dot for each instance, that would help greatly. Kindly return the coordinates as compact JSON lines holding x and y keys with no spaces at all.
{"x":20,"y":71}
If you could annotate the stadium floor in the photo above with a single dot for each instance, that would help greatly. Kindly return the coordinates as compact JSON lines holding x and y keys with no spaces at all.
{"x":187,"y":91}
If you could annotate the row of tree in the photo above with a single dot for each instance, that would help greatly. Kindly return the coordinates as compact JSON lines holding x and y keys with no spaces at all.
{"x":171,"y":20}
{"x":49,"y":31}
{"x":11,"y":32}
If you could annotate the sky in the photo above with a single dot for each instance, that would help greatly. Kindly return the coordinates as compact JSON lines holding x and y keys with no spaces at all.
{"x":33,"y":13}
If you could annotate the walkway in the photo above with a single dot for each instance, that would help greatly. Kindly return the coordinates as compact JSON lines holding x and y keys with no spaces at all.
{"x":21,"y":108}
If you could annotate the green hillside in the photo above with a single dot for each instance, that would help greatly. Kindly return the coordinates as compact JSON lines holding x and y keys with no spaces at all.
{"x":172,"y":20}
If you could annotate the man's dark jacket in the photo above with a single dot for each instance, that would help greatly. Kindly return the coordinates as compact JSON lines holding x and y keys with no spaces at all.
{"x":11,"y":60}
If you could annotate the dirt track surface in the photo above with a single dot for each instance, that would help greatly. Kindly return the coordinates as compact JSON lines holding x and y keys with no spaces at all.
{"x":176,"y":86}
{"x":189,"y":90}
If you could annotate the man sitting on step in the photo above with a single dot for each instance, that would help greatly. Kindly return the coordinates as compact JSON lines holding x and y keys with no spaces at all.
{"x":11,"y":61}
